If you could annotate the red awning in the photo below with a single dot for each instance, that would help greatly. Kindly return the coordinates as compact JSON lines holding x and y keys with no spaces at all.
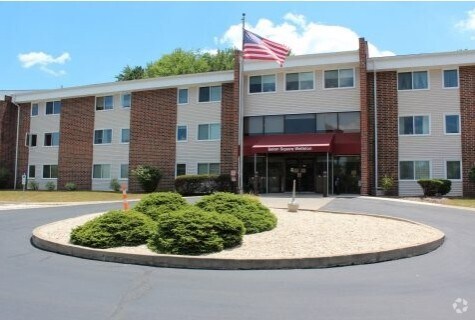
{"x":288,"y":143}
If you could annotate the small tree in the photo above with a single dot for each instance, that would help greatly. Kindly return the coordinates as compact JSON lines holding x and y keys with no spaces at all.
{"x":148,"y":177}
{"x":387,"y":184}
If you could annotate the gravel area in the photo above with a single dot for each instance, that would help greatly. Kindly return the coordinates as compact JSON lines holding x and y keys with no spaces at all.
{"x":298,"y":235}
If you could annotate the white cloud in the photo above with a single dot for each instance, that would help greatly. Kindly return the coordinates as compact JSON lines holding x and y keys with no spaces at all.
{"x":302,"y":37}
{"x":43,"y":61}
{"x":469,"y":23}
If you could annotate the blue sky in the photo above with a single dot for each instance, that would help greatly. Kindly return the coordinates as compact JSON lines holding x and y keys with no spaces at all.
{"x":54,"y":44}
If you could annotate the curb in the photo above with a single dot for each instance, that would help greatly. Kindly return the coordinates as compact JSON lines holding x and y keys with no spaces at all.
{"x":200,"y":262}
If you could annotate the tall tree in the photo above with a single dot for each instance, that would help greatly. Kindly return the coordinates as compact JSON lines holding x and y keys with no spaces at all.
{"x":129,"y":73}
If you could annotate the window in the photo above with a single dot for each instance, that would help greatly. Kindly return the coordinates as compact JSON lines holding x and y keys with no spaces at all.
{"x":31,"y":172}
{"x":341,"y":78}
{"x":327,"y":122}
{"x":274,"y":124}
{"x":34,"y":109}
{"x":299,"y":81}
{"x":101,"y":171}
{"x":50,"y":171}
{"x":103,"y":136}
{"x":124,"y":171}
{"x":180,"y":169}
{"x":51,"y":139}
{"x":452,"y":124}
{"x":300,"y":123}
{"x":209,"y":94}
{"x":453,"y":170}
{"x":125,"y":136}
{"x":414,"y":170}
{"x":126,"y":100}
{"x":414,"y":125}
{"x":253,"y":126}
{"x":349,"y":121}
{"x":182,"y":96}
{"x":412,"y":80}
{"x":181,"y":133}
{"x":53,"y":107}
{"x":104,"y":103}
{"x":31,"y":140}
{"x":262,"y":84}
{"x":209,"y":131}
{"x":451,"y":78}
{"x":208,"y":168}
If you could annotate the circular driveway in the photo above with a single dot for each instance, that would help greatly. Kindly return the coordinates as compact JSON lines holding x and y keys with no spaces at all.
{"x":35,"y":284}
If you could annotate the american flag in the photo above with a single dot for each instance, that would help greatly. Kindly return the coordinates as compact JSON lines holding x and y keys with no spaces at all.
{"x":258,"y":48}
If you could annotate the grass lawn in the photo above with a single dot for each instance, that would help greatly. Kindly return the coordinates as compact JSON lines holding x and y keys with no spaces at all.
{"x":63,"y":196}
{"x":463,"y":202}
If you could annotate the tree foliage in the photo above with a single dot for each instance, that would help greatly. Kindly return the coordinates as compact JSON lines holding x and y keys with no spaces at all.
{"x":181,"y":62}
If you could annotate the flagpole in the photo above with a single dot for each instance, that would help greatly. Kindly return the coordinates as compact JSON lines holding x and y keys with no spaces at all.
{"x":241,"y":112}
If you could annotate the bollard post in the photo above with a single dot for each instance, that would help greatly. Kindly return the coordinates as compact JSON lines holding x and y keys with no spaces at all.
{"x":293,"y":206}
{"x":125,"y":204}
{"x":325,"y":184}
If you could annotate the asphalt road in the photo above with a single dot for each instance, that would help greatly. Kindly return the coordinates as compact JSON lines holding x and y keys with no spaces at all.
{"x":35,"y":284}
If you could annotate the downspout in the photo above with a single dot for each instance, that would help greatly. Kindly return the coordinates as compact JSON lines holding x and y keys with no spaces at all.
{"x":376,"y":173}
{"x":17,"y":140}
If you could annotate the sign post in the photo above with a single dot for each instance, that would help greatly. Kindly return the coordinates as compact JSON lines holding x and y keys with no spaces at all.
{"x":23,"y":181}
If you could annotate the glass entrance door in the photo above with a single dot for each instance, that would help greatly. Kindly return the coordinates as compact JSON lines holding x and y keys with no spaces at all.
{"x":303,"y":171}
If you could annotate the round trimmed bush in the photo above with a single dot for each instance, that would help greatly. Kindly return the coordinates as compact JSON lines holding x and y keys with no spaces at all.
{"x":114,"y":229}
{"x":255,"y":216}
{"x":156,"y":204}
{"x":192,"y":231}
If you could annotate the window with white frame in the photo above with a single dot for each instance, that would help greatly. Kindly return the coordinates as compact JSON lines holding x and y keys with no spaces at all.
{"x":209,"y":131}
{"x":125,"y":136}
{"x":51,"y":139}
{"x":126,"y":100}
{"x":299,"y":81}
{"x":414,"y":170}
{"x":31,"y":171}
{"x":415,"y":80}
{"x":181,"y":133}
{"x":258,"y":84}
{"x":53,"y":107}
{"x":453,"y":170}
{"x":452,"y":124}
{"x":50,"y":171}
{"x":103,"y":136}
{"x":124,"y":171}
{"x":31,"y":140}
{"x":180,"y":169}
{"x":414,"y":125}
{"x":101,"y":171}
{"x":182,"y":96}
{"x":451,"y":78}
{"x":340,"y":78}
{"x":208,"y":168}
{"x":104,"y":103}
{"x":209,"y":94}
{"x":34,"y":109}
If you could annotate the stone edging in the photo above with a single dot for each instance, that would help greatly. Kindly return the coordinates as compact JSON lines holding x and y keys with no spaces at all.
{"x":199,"y":262}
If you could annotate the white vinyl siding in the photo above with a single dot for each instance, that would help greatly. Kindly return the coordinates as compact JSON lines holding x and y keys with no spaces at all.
{"x":438,"y":146}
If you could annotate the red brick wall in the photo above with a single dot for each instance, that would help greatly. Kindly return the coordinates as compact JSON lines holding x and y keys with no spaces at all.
{"x":8,"y":120}
{"x":388,"y":127}
{"x":153,"y":122}
{"x":75,"y":142}
{"x":364,"y":120}
{"x":23,"y":151}
{"x":467,"y":118}
{"x":230,"y":122}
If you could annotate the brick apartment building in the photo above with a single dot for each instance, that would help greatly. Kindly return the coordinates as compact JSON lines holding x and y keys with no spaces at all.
{"x":354,"y":118}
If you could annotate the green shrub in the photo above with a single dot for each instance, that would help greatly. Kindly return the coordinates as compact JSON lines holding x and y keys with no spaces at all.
{"x":387,"y":184}
{"x":255,"y":216}
{"x":148,"y":177}
{"x":193,"y":231}
{"x":115,"y":185}
{"x":70,"y":186}
{"x":114,"y":229}
{"x":159,"y":203}
{"x":203,"y":184}
{"x":471,"y":175}
{"x":50,"y":186}
{"x":4,"y":177}
{"x":433,"y":187}
{"x":33,"y":185}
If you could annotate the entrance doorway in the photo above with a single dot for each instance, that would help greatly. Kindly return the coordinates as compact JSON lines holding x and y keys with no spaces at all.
{"x":303,"y":171}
